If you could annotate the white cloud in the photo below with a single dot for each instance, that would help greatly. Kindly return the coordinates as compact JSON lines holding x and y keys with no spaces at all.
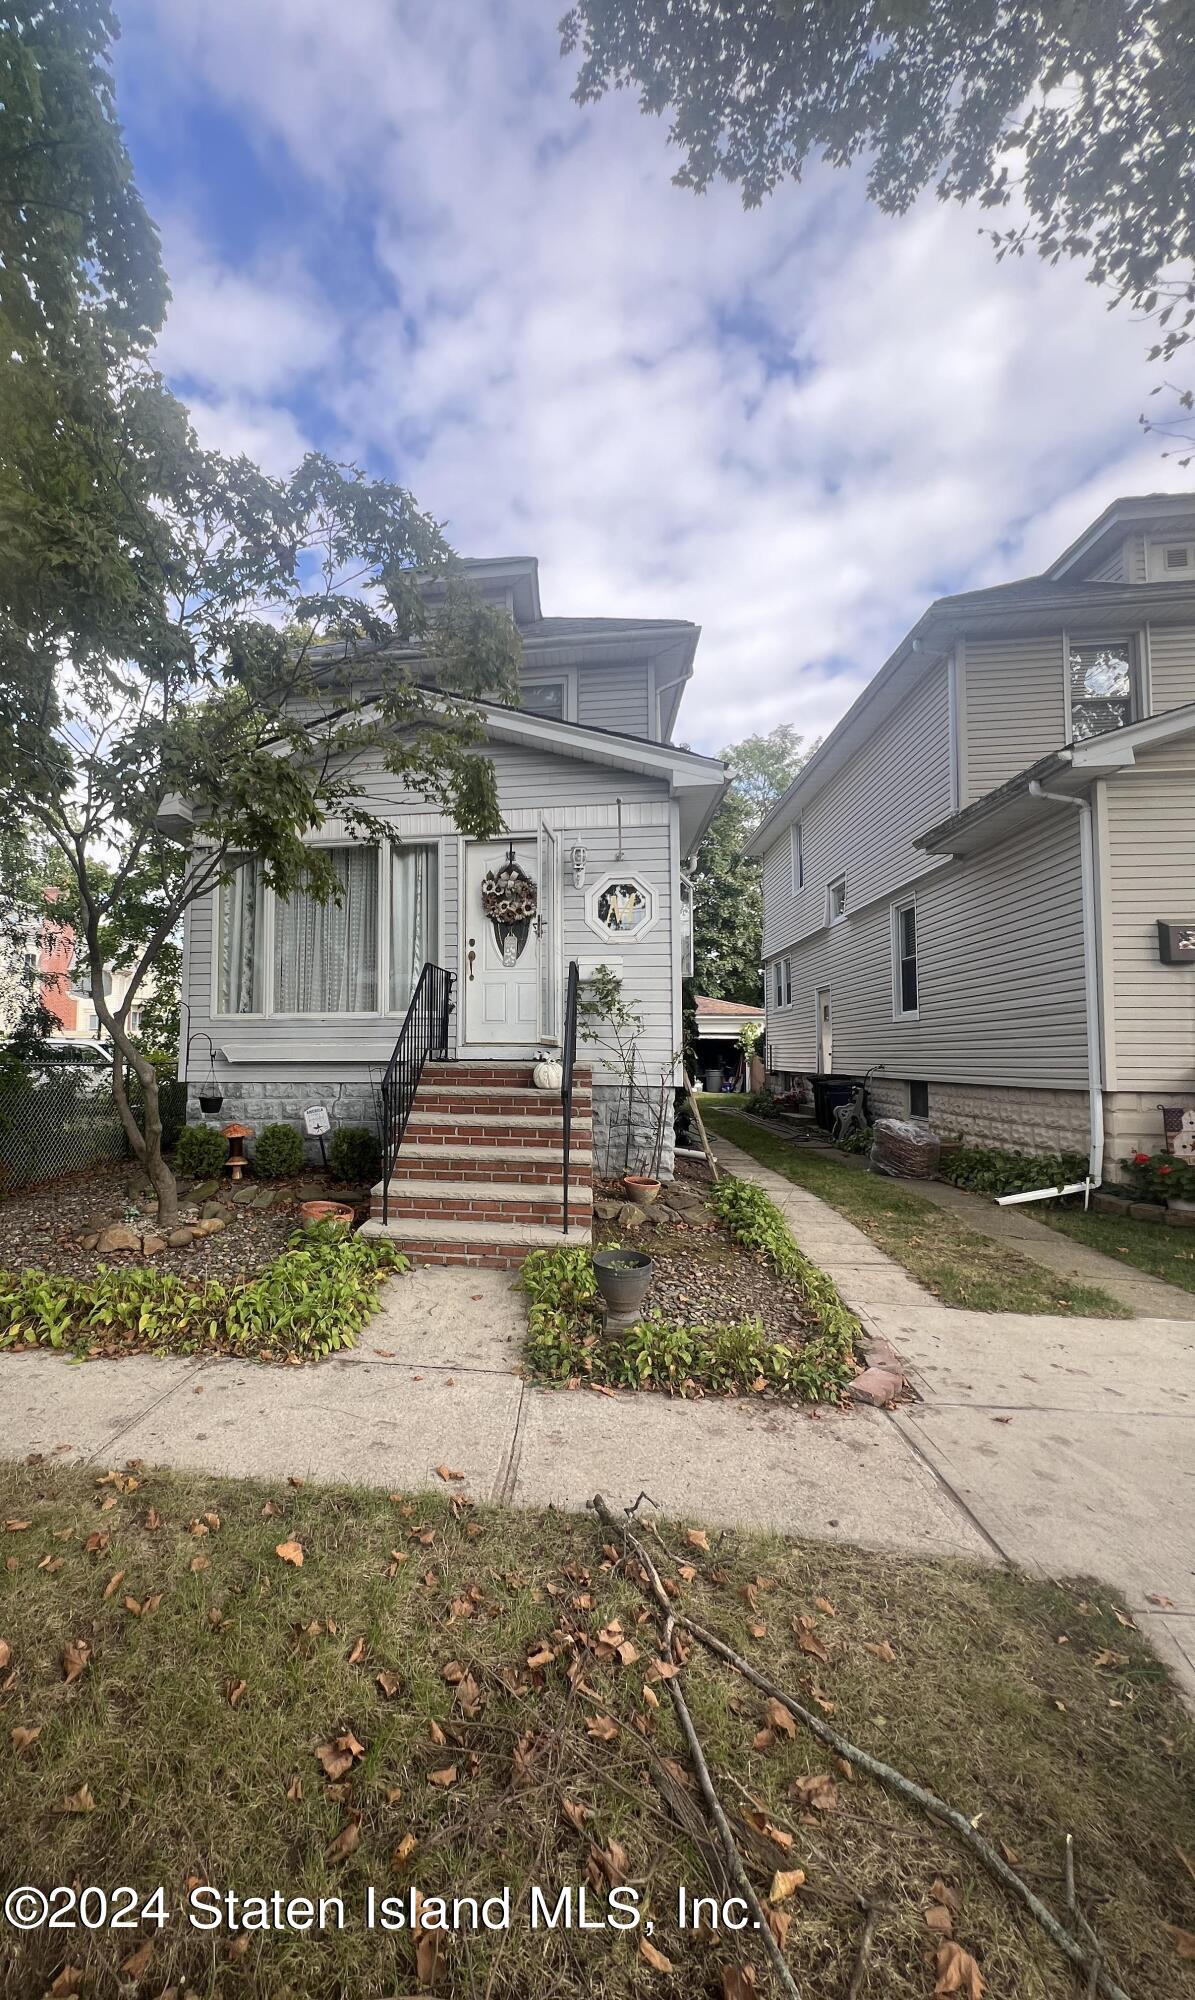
{"x":794,"y":426}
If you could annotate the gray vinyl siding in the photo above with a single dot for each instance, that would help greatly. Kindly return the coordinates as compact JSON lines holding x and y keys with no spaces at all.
{"x":1136,"y":568}
{"x":1150,"y":860}
{"x":615,"y":697}
{"x":863,"y":824}
{"x":1171,"y":667}
{"x":1015,"y":707}
{"x":1112,"y":569}
{"x":578,"y":800}
{"x":1000,"y":975}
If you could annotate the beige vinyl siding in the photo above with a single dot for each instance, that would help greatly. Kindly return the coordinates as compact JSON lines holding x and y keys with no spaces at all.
{"x":614,"y":697}
{"x":1171,"y":667}
{"x":1015,"y":707}
{"x":575,"y":798}
{"x":1112,"y":569}
{"x":999,"y":971}
{"x":1150,"y":857}
{"x":864,"y":822}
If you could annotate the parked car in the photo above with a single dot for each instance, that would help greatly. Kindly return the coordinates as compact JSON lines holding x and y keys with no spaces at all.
{"x":90,"y":1063}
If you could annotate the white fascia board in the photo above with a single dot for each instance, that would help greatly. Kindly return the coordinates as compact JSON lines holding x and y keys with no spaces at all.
{"x":1117,"y":746}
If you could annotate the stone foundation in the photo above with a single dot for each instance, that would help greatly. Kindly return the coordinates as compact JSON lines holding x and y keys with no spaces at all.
{"x":1025,"y":1121}
{"x":610,"y":1116}
{"x":283,"y":1102}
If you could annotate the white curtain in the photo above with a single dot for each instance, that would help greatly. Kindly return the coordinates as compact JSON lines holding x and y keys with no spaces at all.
{"x":326,"y":954}
{"x":239,"y":933}
{"x":414,"y":918}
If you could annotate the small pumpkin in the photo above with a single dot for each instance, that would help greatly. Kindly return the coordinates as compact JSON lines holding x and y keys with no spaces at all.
{"x":547,"y":1074}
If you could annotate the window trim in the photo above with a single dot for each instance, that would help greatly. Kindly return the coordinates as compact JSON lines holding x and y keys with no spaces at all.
{"x":1135,"y":639}
{"x":782,"y":985}
{"x":270,"y":1011}
{"x":899,"y":1011}
{"x":796,"y":857}
{"x":834,"y":882}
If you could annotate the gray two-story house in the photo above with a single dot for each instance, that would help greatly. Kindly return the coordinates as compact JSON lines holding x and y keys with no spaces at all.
{"x":602,"y":811}
{"x":983,"y":881}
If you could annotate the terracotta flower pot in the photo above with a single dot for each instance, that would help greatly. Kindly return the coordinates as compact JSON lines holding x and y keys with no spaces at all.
{"x":641,"y":1188}
{"x":311,"y":1212}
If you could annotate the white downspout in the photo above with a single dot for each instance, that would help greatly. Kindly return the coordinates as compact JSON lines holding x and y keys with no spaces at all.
{"x":1095,"y":1081}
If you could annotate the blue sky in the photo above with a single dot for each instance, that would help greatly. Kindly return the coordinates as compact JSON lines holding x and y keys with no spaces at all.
{"x":390,"y":233}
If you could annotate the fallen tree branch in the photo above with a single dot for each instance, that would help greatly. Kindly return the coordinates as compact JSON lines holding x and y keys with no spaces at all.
{"x":886,"y":1774}
{"x":734,"y":1859}
{"x":858,"y":1975}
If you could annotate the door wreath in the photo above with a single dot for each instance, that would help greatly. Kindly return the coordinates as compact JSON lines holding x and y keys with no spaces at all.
{"x":510,"y":899}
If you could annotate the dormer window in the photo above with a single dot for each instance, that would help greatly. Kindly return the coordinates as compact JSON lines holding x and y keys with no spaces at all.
{"x":548,"y":698}
{"x":1102,"y":690}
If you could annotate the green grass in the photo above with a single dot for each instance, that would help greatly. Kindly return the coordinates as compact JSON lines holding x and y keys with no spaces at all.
{"x":958,"y":1265}
{"x":1150,"y":1246}
{"x":190,"y":1724}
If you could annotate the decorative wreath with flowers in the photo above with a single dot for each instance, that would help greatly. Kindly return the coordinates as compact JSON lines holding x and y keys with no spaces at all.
{"x":510,"y":899}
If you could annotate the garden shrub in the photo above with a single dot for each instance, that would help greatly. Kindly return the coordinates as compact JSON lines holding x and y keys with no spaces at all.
{"x":353,"y":1154}
{"x":278,"y":1151}
{"x":312,"y":1300}
{"x":1159,"y":1177}
{"x":200,"y":1152}
{"x":996,"y":1170}
{"x":567,"y":1337}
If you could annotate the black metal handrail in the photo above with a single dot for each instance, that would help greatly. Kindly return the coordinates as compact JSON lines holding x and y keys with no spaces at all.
{"x":424,"y":1033}
{"x":568,"y":1054}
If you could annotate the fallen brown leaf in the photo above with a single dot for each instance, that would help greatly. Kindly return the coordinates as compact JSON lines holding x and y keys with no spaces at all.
{"x":344,"y":1843}
{"x":1184,"y":1941}
{"x":785,"y":1883}
{"x":881,"y":1649}
{"x":69,"y":1981}
{"x":236,"y":1691}
{"x":5,"y":1653}
{"x":780,"y":1719}
{"x":137,"y":1961}
{"x":403,"y":1852}
{"x":697,"y":1539}
{"x":445,"y":1472}
{"x":656,"y":1959}
{"x":819,"y":1791}
{"x":602,"y":1728}
{"x":294,"y":1790}
{"x":443,"y":1778}
{"x":75,"y":1655}
{"x":290,"y":1552}
{"x":23,"y":1740}
{"x":79,"y":1802}
{"x":957,"y":1972}
{"x":388,"y":1683}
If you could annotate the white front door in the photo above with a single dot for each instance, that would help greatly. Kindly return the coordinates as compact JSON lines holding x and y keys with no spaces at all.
{"x":501,"y":984}
{"x":825,"y":1032}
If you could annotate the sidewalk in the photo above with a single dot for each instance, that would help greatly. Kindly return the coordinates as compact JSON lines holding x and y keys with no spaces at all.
{"x":1065,"y":1445}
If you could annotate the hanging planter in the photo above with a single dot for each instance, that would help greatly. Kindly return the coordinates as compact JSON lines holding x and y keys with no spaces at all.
{"x":510,"y":900}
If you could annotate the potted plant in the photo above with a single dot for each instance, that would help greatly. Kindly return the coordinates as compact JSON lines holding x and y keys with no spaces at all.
{"x":622,"y":1278}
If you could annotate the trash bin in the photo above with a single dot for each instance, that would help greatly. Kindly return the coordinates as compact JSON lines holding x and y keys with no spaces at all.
{"x":713,"y":1078}
{"x":828,"y":1093}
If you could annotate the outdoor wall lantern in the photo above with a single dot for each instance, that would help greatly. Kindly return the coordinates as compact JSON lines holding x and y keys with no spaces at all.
{"x":578,"y":860}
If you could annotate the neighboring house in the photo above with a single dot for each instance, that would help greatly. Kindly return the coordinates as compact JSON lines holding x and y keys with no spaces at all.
{"x":964,"y":884}
{"x":48,"y":966}
{"x":304,"y":1004}
{"x":719,"y":1025}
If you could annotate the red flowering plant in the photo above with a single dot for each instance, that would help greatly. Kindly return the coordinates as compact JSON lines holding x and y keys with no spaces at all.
{"x":1159,"y":1177}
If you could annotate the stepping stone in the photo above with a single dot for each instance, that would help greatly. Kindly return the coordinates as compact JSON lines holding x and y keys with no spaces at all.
{"x":243,"y":1194}
{"x":203,"y":1190}
{"x":212,"y":1211}
{"x":265,"y":1198}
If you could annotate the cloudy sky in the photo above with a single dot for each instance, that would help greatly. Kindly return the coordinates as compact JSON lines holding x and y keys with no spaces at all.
{"x":389,"y":232}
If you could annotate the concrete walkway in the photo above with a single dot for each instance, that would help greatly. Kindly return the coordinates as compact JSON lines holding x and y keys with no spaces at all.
{"x":1067,"y":1445}
{"x":1069,"y":1442}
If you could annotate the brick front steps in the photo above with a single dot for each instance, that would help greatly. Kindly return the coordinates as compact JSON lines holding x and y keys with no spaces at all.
{"x":479,"y":1176}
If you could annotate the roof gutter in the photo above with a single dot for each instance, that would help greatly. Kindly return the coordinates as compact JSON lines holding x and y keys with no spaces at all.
{"x":1091,"y":991}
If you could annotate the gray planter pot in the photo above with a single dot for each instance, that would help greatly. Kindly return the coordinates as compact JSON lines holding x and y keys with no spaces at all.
{"x":623,"y":1277}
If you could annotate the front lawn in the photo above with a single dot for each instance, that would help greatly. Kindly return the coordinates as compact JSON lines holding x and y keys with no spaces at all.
{"x":448,"y":1699}
{"x":958,"y":1265}
{"x":1150,"y":1246}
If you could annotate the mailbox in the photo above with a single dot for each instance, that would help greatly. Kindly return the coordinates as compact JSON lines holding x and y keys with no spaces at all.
{"x":1176,"y":943}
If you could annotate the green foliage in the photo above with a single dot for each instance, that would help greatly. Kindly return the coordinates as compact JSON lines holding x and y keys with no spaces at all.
{"x":353,"y":1153}
{"x":567,"y":1338}
{"x":277,"y":1150}
{"x":312,"y":1300}
{"x":727,"y":896}
{"x":1159,"y":1177}
{"x":754,"y":1220}
{"x":995,"y":1170}
{"x":1066,"y":112}
{"x":200,"y":1152}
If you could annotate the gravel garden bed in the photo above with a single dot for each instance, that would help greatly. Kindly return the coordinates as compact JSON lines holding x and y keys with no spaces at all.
{"x":58,"y":1227}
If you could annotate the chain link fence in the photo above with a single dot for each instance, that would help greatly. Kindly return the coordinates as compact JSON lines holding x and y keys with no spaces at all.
{"x":55,"y":1122}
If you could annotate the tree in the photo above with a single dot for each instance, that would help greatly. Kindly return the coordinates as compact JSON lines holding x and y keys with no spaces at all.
{"x":186,"y":645}
{"x":1078,"y":110}
{"x":727,"y":893}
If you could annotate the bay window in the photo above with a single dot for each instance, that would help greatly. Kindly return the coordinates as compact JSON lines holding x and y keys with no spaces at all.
{"x":239,"y":957}
{"x":326,"y":954}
